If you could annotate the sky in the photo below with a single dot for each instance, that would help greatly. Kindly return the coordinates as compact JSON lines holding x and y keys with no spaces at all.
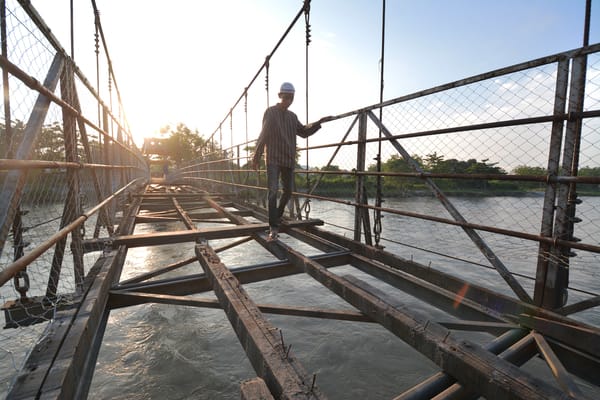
{"x":189,"y":61}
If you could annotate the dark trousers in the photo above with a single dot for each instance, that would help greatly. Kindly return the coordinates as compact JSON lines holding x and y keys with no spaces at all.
{"x":274,"y":172}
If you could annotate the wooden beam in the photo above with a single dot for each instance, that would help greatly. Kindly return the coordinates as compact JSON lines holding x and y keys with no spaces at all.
{"x":519,"y":353}
{"x":271,"y":358}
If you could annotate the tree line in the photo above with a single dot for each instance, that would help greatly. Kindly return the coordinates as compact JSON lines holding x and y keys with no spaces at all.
{"x":434,"y":163}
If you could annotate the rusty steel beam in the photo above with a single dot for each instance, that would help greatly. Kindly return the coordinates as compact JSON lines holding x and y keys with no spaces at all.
{"x":558,"y":370}
{"x":124,"y":298}
{"x":198,"y":283}
{"x":271,"y":358}
{"x":579,"y":306}
{"x":470,"y":364}
{"x":152,"y":274}
{"x":495,"y":301}
{"x":440,"y":297}
{"x":187,"y":221}
{"x":441,"y":381}
{"x":259,"y":237}
{"x":152,"y":239}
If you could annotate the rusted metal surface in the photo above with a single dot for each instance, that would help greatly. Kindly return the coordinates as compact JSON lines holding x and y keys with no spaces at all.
{"x":271,"y":357}
{"x":471,"y":365}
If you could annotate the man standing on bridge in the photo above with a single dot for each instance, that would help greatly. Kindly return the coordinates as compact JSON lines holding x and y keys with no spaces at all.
{"x":279,"y":129}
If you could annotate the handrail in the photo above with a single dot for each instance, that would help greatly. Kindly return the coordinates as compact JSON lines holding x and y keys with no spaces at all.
{"x":9,"y":272}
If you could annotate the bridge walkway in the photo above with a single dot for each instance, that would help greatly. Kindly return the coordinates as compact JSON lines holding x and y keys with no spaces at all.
{"x":62,"y":363}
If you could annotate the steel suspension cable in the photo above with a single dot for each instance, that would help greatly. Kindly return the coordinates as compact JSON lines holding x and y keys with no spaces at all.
{"x":378,"y":201}
{"x":266,"y":63}
{"x":307,"y":28}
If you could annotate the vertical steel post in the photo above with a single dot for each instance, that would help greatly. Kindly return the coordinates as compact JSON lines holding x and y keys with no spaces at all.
{"x":361,"y":153}
{"x":72,"y":206}
{"x":6,"y":93}
{"x":557,"y":276}
{"x":17,"y":225}
{"x":108,"y":174}
{"x":560,"y":100}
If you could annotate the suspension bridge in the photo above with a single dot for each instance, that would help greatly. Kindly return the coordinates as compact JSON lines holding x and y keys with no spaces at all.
{"x":506,"y":305}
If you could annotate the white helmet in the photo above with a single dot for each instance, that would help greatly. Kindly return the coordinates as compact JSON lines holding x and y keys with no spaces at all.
{"x":287,"y":87}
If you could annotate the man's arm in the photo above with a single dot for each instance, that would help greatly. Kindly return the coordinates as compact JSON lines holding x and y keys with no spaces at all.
{"x":308,"y":130}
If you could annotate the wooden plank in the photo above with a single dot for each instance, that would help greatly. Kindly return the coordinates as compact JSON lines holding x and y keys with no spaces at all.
{"x":271,"y":358}
{"x":159,"y":238}
{"x":255,"y":389}
{"x":470,"y":364}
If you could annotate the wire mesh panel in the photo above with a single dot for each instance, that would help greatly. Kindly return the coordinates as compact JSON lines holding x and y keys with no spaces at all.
{"x":482,"y":145}
{"x":67,"y":165}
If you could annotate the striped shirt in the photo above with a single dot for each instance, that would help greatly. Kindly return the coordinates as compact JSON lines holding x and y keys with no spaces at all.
{"x":278,"y":135}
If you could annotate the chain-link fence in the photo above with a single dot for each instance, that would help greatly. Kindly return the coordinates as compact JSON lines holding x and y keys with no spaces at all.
{"x":497,"y":172}
{"x":67,"y":164}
